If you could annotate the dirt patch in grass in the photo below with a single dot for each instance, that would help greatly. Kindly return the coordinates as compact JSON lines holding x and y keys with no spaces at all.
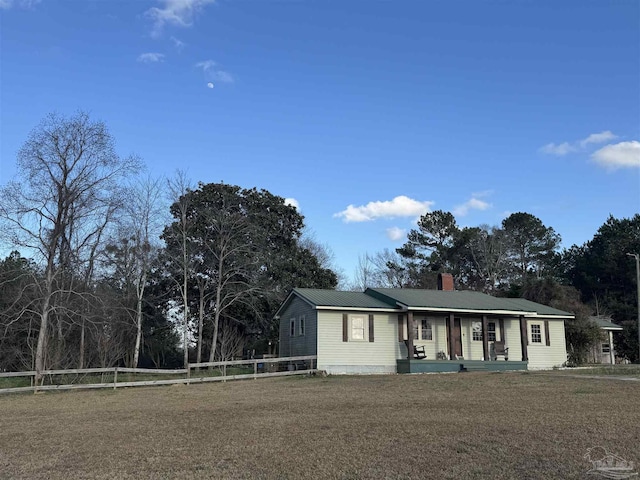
{"x":474,"y":425}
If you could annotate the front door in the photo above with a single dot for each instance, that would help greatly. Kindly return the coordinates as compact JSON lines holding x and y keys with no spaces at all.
{"x":457,"y":337}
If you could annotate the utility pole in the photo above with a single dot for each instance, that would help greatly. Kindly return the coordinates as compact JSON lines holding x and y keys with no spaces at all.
{"x":637,"y":257}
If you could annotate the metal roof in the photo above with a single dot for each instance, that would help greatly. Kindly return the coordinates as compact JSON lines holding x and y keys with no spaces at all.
{"x":461,"y":300}
{"x":335,"y":298}
{"x":403,"y":299}
{"x":605,"y":323}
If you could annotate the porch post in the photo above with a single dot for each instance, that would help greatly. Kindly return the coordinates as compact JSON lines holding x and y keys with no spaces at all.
{"x":410,"y":335}
{"x":524,"y":339}
{"x":485,"y":340}
{"x":451,"y":339}
{"x":612,"y":355}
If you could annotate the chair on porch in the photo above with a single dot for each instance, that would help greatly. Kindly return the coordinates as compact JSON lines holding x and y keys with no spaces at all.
{"x":498,"y":348}
{"x":418,"y":352}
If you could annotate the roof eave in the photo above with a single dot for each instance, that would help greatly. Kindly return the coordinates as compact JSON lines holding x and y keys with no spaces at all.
{"x":514,"y":313}
{"x":359,"y":309}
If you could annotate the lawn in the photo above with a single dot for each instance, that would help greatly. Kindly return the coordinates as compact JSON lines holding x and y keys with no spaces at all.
{"x":446,"y":426}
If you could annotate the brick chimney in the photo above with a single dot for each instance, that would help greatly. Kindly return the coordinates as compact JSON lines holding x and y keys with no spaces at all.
{"x":445,"y":282}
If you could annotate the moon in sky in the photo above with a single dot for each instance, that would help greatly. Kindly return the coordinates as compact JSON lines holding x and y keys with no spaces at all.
{"x":210,"y":85}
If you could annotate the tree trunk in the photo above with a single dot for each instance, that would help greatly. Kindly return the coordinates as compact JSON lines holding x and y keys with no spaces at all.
{"x":44,"y":322}
{"x":136,"y":348}
{"x":200,"y":324}
{"x":81,"y":360}
{"x":140,"y":294}
{"x":216,"y":316}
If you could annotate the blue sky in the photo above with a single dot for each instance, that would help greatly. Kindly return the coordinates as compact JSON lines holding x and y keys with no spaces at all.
{"x":366,"y":113}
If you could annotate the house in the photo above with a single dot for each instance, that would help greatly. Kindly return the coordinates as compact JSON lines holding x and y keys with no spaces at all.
{"x":603,"y":351}
{"x":389,"y":330}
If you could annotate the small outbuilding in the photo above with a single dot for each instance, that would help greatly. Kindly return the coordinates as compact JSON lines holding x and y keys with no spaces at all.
{"x":603,"y":351}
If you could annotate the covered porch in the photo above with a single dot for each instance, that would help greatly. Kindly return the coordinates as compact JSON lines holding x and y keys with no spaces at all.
{"x":459,"y":342}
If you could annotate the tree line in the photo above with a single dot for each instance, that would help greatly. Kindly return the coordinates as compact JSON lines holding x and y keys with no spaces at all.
{"x":106,"y":270}
{"x":521,"y":257}
{"x":109,"y":266}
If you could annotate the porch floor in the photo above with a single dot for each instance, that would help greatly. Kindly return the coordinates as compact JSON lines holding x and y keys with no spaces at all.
{"x":439,"y":366}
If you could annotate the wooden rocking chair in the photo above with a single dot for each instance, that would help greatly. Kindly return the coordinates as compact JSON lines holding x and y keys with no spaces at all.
{"x":498,"y":348}
{"x":419,"y":353}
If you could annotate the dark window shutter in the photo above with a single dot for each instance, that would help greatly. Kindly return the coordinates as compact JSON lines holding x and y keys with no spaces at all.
{"x":400,"y":329}
{"x":502,"y":332}
{"x":345,"y":327}
{"x":546,"y":333}
{"x":371,"y":328}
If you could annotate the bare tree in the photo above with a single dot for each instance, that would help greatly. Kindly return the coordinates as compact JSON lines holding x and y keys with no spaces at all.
{"x":489,"y":253}
{"x":69,"y":181}
{"x":144,"y":211}
{"x":179,"y":188}
{"x":385,"y":269}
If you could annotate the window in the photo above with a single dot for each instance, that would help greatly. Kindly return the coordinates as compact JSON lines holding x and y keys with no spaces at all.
{"x":476,"y":331}
{"x":357,"y":327}
{"x":606,"y":348}
{"x":292,"y":328}
{"x":491,"y":332}
{"x":427,"y":331}
{"x":536,"y":333}
{"x":301,"y":325}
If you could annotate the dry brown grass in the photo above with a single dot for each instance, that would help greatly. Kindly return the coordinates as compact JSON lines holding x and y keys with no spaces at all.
{"x":457,"y":426}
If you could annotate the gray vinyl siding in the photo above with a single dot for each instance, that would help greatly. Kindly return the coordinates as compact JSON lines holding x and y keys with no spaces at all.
{"x":298,"y":344}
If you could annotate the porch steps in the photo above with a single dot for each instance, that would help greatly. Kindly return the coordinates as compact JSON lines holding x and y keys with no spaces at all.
{"x":473,"y":367}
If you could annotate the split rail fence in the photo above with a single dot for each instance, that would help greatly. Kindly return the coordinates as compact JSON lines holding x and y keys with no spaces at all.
{"x":118,"y":377}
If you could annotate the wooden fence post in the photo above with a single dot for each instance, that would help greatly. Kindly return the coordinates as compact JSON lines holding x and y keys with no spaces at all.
{"x":255,"y":369}
{"x":188,"y":374}
{"x":115,"y":378}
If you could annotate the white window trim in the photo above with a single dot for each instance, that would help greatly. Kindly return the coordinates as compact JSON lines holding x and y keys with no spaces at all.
{"x":431,"y":323}
{"x":365,"y":328}
{"x":495,"y":332}
{"x":302,"y":325}
{"x":530,"y":333}
{"x":476,"y":323}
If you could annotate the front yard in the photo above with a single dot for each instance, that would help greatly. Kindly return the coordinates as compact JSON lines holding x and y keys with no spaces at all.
{"x":445,"y":426}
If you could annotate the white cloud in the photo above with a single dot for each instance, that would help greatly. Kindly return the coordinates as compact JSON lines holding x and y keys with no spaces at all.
{"x":618,"y":155}
{"x":396,"y":233}
{"x":598,"y":138}
{"x":179,"y":44}
{"x":473,"y":203}
{"x":206,"y":65}
{"x":7,"y":4}
{"x":178,"y":13}
{"x":210,"y":85}
{"x":561,"y":149}
{"x":564,"y":148}
{"x":400,"y":206}
{"x":223,"y":76}
{"x":292,"y":202}
{"x":151,"y":57}
{"x":212,"y":72}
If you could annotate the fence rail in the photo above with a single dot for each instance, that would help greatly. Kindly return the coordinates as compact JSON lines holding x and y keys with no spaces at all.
{"x":262,"y":368}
